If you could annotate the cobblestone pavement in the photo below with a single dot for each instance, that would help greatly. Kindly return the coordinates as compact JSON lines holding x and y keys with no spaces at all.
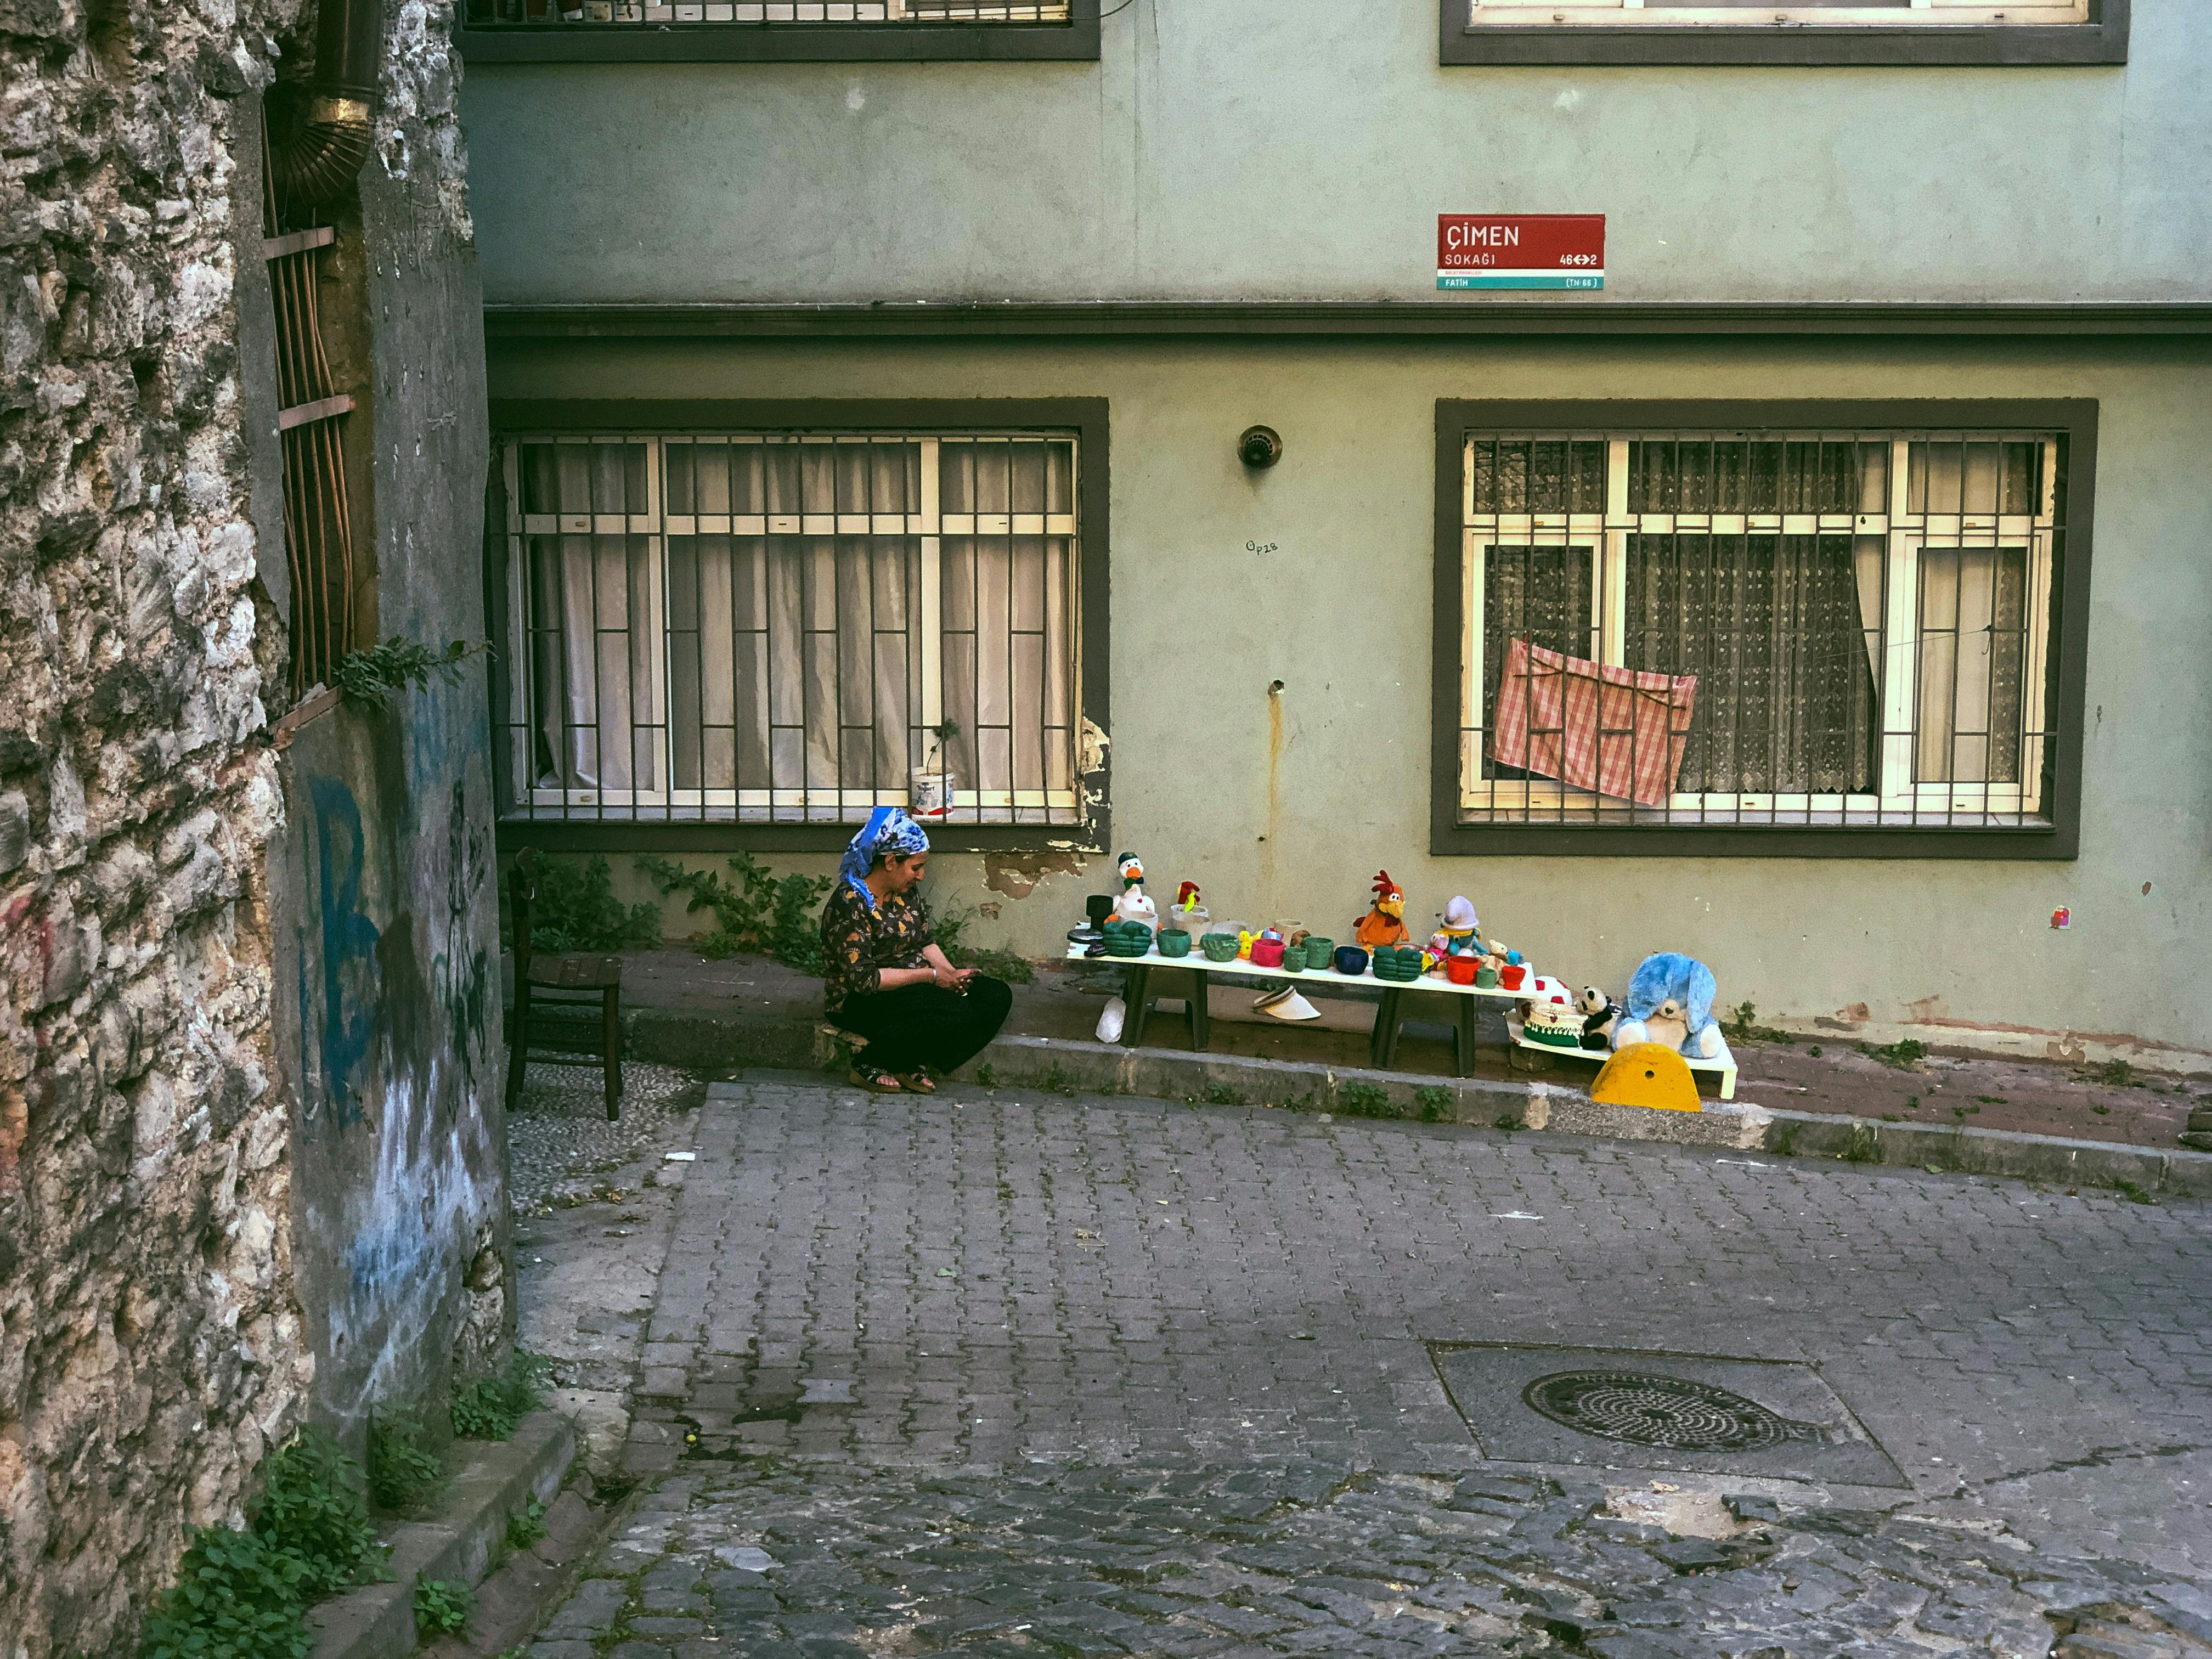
{"x":969,"y":1359}
{"x":834,"y":1563}
{"x":561,"y":1144}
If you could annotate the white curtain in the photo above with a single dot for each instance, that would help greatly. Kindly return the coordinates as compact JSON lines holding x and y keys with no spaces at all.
{"x":597,"y":692}
{"x":795,"y":659}
{"x":592,"y":645}
{"x":1971,"y":650}
{"x":1006,"y":605}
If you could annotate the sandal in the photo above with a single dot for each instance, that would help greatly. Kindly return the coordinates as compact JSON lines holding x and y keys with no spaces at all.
{"x":881,"y":1083}
{"x":917,"y":1083}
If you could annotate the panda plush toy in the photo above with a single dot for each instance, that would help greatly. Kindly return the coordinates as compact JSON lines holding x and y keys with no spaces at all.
{"x":1601,"y":1012}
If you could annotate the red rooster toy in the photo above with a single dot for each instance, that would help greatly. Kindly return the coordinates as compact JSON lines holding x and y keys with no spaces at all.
{"x":1385,"y":921}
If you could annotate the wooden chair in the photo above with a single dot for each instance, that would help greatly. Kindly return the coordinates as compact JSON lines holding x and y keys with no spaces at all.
{"x":572,"y":980}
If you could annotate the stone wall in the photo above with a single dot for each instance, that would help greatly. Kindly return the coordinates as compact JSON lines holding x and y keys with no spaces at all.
{"x":153,"y":1340}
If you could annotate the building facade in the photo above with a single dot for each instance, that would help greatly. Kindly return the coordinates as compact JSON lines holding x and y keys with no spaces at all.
{"x":1809,"y":585}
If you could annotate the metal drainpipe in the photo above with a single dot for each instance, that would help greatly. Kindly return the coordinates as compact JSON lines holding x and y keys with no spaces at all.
{"x":325,"y":154}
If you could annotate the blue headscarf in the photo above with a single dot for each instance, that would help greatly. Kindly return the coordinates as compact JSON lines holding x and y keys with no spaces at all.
{"x":887,"y":830}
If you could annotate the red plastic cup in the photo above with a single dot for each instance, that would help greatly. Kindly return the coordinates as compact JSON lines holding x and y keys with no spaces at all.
{"x":1512,"y":975}
{"x":1460,"y":970}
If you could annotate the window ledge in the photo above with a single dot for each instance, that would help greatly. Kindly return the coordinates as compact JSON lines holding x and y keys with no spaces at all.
{"x":614,"y":835}
{"x":1800,"y":45}
{"x":1522,"y":840}
{"x":1074,"y":42}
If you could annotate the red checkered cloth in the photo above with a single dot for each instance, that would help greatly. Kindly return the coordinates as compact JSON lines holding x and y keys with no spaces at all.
{"x":1618,"y":731}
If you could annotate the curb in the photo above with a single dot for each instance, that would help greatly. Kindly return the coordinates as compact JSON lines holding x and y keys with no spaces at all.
{"x":377,"y":1621}
{"x":1059,"y":1066}
{"x":1056,"y":1063}
{"x":2051,"y":1158}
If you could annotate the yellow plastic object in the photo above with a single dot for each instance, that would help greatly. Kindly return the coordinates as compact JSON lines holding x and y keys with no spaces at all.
{"x":1647,"y":1074}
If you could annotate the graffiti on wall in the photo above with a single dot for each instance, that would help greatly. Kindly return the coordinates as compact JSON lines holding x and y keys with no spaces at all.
{"x":405,"y":1058}
{"x":349,"y":940}
{"x":461,"y":972}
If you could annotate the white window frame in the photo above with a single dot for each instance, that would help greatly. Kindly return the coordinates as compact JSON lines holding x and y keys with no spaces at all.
{"x":808,"y":805}
{"x":1648,"y":14}
{"x":1900,"y":800}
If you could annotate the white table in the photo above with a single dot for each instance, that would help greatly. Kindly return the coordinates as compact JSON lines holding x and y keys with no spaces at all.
{"x":1382,"y":1046}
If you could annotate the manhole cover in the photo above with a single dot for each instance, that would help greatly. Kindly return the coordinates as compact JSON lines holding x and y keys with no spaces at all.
{"x":1646,"y":1409}
{"x":1541,"y":1404}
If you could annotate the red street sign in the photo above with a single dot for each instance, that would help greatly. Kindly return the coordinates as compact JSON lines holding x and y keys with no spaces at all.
{"x":1520,"y":250}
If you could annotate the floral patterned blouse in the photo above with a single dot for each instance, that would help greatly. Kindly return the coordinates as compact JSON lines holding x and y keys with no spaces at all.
{"x":859,"y":941}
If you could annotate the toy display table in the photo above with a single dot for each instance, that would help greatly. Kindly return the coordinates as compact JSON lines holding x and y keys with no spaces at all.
{"x":1382,"y":1045}
{"x":1722,"y":1067}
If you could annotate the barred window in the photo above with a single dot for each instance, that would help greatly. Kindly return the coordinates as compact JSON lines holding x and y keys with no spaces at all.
{"x":782,"y":628}
{"x":1782,"y":13}
{"x":481,"y":13}
{"x":1769,"y":627}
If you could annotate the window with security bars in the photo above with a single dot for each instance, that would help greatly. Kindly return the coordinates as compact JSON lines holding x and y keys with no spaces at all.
{"x":772,"y":628}
{"x":1740,"y":14}
{"x":1764,"y":628}
{"x":491,"y":13}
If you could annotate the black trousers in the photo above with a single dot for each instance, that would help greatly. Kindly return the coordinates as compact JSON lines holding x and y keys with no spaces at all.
{"x":927,"y":1024}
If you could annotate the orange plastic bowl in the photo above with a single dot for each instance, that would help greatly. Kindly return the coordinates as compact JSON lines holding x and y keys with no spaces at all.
{"x":1460,"y":970}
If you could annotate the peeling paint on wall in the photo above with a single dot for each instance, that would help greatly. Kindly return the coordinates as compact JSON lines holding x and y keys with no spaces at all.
{"x":1017,"y":874}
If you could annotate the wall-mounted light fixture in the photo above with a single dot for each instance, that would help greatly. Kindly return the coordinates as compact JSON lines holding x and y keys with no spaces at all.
{"x":1260,"y":446}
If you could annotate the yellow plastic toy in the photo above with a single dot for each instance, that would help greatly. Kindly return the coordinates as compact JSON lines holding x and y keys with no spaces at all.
{"x":1647,"y":1074}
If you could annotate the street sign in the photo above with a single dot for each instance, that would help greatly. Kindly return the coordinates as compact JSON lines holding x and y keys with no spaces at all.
{"x":1520,"y":250}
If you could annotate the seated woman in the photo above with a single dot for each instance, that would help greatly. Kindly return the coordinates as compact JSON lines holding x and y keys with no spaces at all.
{"x":887,"y":980}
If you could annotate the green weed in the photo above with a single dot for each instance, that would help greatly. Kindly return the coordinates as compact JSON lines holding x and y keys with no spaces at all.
{"x":235,"y":1597}
{"x":1902,"y":1055}
{"x":2134,"y":1194}
{"x":403,"y":1476}
{"x":312,"y":1508}
{"x":762,"y":912}
{"x":986,"y":1076}
{"x":1434,"y":1102}
{"x":526,"y":1525}
{"x":377,"y":673}
{"x":490,"y":1407}
{"x":574,"y":909}
{"x":1509,"y":1120}
{"x":2102,"y":1111}
{"x":2115,"y":1073}
{"x":1220,"y":1094}
{"x":1743,"y":1026}
{"x":1865,"y":1145}
{"x":442,"y":1607}
{"x":240,"y":1594}
{"x":1364,"y":1100}
{"x":1785,"y":1141}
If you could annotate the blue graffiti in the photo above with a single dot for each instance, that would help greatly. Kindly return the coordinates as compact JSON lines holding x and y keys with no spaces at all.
{"x":350,"y":941}
{"x":391,"y":1257}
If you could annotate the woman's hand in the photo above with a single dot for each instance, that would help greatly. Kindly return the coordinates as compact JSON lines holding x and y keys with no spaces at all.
{"x":942,"y":970}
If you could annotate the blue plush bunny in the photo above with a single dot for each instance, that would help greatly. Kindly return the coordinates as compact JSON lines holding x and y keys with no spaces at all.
{"x":1670,"y":1000}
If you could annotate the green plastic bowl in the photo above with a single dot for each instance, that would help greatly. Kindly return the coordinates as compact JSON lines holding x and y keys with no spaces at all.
{"x":1218,"y":947}
{"x":1294,"y":958}
{"x":1319,"y":949}
{"x":1174,"y":942}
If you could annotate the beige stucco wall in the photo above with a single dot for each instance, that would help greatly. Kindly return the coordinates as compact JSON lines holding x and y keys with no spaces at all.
{"x":1949,"y":951}
{"x":1246,"y":149}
